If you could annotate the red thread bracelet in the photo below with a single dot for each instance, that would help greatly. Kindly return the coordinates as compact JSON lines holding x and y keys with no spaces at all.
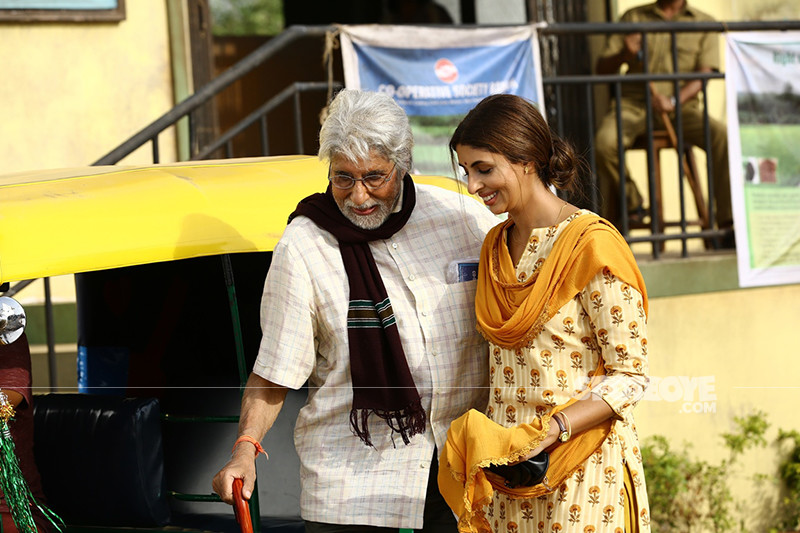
{"x":251,"y":440}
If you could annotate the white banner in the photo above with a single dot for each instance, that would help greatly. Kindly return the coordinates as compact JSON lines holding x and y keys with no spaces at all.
{"x":763,"y":97}
{"x":438,"y":74}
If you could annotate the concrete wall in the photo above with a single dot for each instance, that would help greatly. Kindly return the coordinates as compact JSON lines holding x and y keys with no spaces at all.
{"x":73,"y":91}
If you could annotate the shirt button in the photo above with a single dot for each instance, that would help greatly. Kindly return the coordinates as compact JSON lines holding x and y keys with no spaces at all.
{"x":424,"y":313}
{"x":423,"y":465}
{"x":434,"y":353}
{"x":412,"y":277}
{"x":394,"y":245}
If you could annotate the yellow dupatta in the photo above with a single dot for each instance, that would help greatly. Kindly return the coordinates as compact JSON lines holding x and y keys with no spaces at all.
{"x":511,"y":314}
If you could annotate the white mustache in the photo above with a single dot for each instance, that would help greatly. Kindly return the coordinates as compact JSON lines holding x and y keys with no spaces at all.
{"x":363,"y":207}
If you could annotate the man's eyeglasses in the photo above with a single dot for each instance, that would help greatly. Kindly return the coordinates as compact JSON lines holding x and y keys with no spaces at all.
{"x":372,"y":181}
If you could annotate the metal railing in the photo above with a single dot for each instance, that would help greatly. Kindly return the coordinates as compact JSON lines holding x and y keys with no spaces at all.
{"x":657,"y":235}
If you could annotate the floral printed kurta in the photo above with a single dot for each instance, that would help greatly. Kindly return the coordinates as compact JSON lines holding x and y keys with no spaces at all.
{"x":605,"y":319}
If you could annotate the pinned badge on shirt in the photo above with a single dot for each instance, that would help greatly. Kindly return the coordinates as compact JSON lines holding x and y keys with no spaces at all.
{"x":462,"y":270}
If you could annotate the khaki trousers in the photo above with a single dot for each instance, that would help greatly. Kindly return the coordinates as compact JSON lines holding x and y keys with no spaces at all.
{"x":634,"y":124}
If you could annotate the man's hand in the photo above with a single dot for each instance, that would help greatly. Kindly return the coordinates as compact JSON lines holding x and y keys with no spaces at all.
{"x":243,"y":466}
{"x":662,"y":104}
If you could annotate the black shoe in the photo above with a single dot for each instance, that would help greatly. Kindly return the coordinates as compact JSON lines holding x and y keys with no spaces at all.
{"x":728,"y":241}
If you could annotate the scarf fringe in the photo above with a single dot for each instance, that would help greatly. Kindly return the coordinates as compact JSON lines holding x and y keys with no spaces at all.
{"x":408,"y":421}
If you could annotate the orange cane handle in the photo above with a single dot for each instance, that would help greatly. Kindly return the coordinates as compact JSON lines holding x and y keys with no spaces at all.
{"x":241,"y":508}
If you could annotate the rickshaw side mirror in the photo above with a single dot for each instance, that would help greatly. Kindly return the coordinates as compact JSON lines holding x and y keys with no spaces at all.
{"x":12,"y":320}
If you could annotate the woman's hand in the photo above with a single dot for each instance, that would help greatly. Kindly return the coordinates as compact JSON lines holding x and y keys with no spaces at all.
{"x":549,"y":440}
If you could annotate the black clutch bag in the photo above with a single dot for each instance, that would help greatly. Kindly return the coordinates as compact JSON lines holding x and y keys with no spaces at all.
{"x":525,"y":474}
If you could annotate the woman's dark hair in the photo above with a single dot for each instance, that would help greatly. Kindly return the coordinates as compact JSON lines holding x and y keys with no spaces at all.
{"x":511,"y":126}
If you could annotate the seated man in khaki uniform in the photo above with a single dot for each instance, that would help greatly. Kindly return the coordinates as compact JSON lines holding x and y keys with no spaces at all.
{"x":697,"y":52}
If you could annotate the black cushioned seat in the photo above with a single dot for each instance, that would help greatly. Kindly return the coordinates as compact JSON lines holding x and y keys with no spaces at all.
{"x":101,"y":459}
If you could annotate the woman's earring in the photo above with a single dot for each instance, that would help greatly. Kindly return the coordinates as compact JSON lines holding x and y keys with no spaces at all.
{"x":525,"y":169}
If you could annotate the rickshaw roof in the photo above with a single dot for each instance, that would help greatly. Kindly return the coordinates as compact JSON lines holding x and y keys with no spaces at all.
{"x":65,"y":221}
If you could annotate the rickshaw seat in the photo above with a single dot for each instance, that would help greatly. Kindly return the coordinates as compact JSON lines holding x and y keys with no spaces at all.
{"x":101,"y":459}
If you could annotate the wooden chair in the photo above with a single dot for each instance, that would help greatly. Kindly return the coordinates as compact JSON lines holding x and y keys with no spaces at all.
{"x":665,"y":139}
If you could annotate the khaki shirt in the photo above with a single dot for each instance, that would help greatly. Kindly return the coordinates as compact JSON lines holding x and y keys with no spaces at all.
{"x":696,"y":50}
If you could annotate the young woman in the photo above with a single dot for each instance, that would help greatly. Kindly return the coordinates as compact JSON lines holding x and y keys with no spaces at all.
{"x":564,"y":308}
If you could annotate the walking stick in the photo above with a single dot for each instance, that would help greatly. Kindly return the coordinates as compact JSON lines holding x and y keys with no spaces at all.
{"x":241,"y":508}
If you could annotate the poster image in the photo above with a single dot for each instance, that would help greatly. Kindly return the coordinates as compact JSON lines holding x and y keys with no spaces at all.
{"x":763,"y":98}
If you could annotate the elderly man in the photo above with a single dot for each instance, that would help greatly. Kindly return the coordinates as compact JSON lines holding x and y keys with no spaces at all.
{"x":698,"y":52}
{"x":364,"y":301}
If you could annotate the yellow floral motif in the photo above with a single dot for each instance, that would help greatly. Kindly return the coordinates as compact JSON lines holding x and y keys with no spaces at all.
{"x":589,"y":343}
{"x":574,"y":513}
{"x":644,"y":517}
{"x":498,"y":360}
{"x":520,"y":357}
{"x":546,"y":359}
{"x":556,"y":527}
{"x":561,"y":379}
{"x":549,"y":513}
{"x":511,"y":414}
{"x":522,"y":277}
{"x":579,"y":475}
{"x":626,"y":292}
{"x":634,"y":329}
{"x":569,"y":326}
{"x":608,"y":277}
{"x":562,"y":493}
{"x":502,"y":511}
{"x":602,"y":337}
{"x":594,"y":495}
{"x":608,"y":514}
{"x":597,"y":300}
{"x":512,"y":527}
{"x":622,"y":353}
{"x":610,"y":475}
{"x":521,"y":396}
{"x":577,"y":360}
{"x":549,"y":398}
{"x":558,"y":343}
{"x":597,"y":457}
{"x":498,"y":397}
{"x":616,"y":315}
{"x":536,"y":379}
{"x":527,"y":510}
{"x":589,"y":529}
{"x":533,"y":244}
{"x":508,"y":375}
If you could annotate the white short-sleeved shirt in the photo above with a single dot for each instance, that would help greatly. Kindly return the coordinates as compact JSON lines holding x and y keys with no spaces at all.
{"x":304,"y":321}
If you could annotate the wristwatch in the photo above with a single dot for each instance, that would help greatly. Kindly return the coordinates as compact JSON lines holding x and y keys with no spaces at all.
{"x":563,"y":432}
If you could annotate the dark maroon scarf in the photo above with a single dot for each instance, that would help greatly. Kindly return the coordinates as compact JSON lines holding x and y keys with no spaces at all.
{"x":382,"y":381}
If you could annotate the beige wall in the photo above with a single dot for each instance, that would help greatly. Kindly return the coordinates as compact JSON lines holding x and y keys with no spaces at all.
{"x":718,"y":355}
{"x":71,"y":92}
